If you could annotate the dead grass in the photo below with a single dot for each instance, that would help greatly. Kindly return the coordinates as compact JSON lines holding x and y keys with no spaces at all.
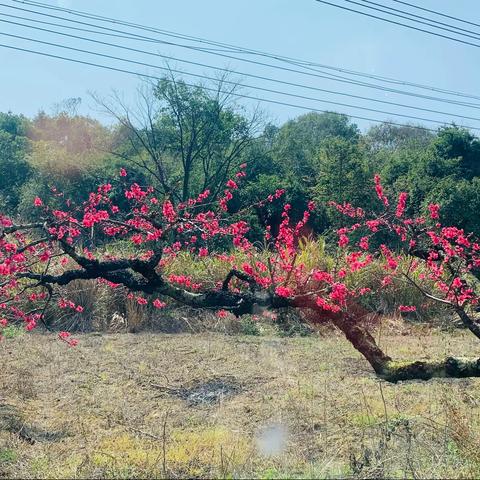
{"x":300,"y":407}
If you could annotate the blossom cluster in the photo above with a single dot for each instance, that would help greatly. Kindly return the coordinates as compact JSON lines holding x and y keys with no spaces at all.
{"x":158,"y":229}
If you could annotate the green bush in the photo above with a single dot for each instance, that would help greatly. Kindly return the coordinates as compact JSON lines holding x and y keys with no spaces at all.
{"x":12,"y":331}
{"x":248,"y":326}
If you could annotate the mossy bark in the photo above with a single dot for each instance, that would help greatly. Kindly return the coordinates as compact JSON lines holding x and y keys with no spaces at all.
{"x":451,"y":367}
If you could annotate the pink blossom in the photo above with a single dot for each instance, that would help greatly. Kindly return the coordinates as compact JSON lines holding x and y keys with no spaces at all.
{"x":157,"y":303}
{"x":402,"y":201}
{"x":434,"y":210}
{"x":284,"y":291}
{"x":231,"y":184}
{"x":379,"y":190}
{"x":407,"y":308}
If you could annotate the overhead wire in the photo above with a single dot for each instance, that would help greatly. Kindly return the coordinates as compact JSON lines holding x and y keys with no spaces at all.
{"x":263,"y":89}
{"x":431,"y":23}
{"x":394,"y":22}
{"x":303,"y":63}
{"x":437,"y":13}
{"x":460,"y":29}
{"x":134,"y":36}
{"x":203,"y":87}
{"x":258,"y":77}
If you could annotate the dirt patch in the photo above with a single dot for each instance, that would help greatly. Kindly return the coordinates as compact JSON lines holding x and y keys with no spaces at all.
{"x":210,"y":392}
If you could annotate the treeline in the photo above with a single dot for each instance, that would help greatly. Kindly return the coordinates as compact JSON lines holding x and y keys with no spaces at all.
{"x":184,"y":140}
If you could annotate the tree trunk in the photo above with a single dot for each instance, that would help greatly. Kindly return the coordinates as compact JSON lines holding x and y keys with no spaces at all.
{"x":363,"y":341}
{"x":393,"y":371}
{"x":473,"y":326}
{"x":449,"y":368}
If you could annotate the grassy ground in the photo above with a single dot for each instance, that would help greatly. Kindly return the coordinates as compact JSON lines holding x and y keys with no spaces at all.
{"x":212,"y":405}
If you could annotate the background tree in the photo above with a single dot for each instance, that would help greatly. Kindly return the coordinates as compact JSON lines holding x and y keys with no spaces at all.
{"x":388,"y":137}
{"x":343,"y":169}
{"x":67,"y":154}
{"x":15,"y":169}
{"x":298,"y":141}
{"x":188,"y":139}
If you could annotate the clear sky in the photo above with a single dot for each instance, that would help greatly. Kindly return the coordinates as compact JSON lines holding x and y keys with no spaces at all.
{"x":298,"y":28}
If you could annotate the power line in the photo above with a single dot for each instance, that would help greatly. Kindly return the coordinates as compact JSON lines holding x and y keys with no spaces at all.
{"x":438,"y":13}
{"x":86,"y":30}
{"x":429,"y":22}
{"x":302,"y":63}
{"x":398,"y":23}
{"x":268,"y":90}
{"x":276,"y":102}
{"x":348,"y":81}
{"x":162,"y":32}
{"x":260,"y":77}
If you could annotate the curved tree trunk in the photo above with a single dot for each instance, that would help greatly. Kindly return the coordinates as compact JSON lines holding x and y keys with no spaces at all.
{"x":451,"y":367}
{"x":393,"y":371}
{"x":363,"y":341}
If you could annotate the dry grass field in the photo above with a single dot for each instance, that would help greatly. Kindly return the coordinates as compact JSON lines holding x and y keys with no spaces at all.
{"x":217,"y":406}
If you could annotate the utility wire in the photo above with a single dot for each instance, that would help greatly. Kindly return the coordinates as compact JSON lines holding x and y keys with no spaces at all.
{"x":429,"y":22}
{"x":437,"y":13}
{"x":260,"y":77}
{"x":78,"y":29}
{"x":233,"y":48}
{"x":203,"y":87}
{"x":344,"y":80}
{"x":424,"y":18}
{"x":204,"y":77}
{"x":398,"y":23}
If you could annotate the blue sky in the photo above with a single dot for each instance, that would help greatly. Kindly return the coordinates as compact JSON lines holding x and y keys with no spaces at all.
{"x":298,"y":28}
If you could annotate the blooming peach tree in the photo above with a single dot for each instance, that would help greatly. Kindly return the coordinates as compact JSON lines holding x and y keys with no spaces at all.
{"x":37,"y":259}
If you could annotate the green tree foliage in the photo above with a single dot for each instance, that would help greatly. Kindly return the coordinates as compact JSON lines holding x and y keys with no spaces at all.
{"x":388,"y":137}
{"x":298,"y":141}
{"x":460,"y":201}
{"x":67,"y":154}
{"x":187,"y":139}
{"x":442,"y":168}
{"x":458,"y":144}
{"x":342,"y":167}
{"x":14,"y":167}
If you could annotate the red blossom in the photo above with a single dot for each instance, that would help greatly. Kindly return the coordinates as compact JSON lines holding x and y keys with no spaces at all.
{"x":407,"y":308}
{"x":434,"y":210}
{"x":402,"y":201}
{"x":343,"y":240}
{"x":284,"y":291}
{"x":363,"y":243}
{"x":158,"y":303}
{"x":168,"y":211}
{"x":379,"y":190}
